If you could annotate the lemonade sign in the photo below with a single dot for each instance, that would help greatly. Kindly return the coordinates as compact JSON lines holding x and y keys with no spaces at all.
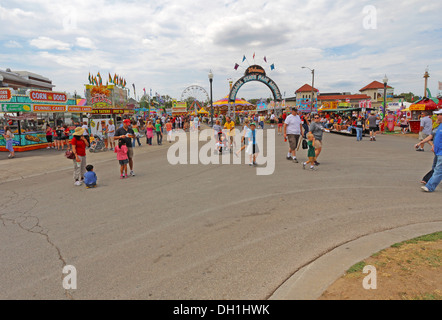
{"x":15,"y":107}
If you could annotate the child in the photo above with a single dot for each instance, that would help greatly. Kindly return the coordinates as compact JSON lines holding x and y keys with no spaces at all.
{"x":252,"y":147}
{"x":221,"y":144}
{"x":90,"y":178}
{"x":311,"y":152}
{"x":121,"y":151}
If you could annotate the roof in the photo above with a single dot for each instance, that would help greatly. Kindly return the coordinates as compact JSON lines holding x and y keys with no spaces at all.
{"x":344,"y":97}
{"x":306,"y":88}
{"x":374,"y":85}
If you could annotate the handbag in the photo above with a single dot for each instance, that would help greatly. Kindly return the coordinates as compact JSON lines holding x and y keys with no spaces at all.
{"x":304,"y":144}
{"x":69,"y":154}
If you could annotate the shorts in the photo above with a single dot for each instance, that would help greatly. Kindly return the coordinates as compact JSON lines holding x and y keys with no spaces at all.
{"x":130,"y":152}
{"x":49,"y":139}
{"x":123,"y":162}
{"x":280,"y":124}
{"x":373,"y":129}
{"x":318,"y":144}
{"x":272,"y":121}
{"x":404,"y":125}
{"x":293,"y":140}
{"x":422,"y":136}
{"x":312,"y":159}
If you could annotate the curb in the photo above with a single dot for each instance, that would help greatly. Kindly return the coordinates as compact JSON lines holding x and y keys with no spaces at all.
{"x":310,"y":282}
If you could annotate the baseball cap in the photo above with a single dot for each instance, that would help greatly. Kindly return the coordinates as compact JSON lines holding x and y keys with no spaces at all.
{"x":253,"y":124}
{"x":438,"y":111}
{"x":126,"y":121}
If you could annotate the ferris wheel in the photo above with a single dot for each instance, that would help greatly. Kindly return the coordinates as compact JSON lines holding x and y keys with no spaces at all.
{"x":197,"y":93}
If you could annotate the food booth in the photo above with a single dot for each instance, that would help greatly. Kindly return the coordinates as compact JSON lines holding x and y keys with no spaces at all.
{"x":426,"y":104}
{"x":28,"y":115}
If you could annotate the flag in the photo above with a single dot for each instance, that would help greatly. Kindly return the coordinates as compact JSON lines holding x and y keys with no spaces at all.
{"x":144,"y":90}
{"x":89,"y":77}
{"x":110,"y":78}
{"x":440,"y":86}
{"x":253,"y":55}
{"x":272,"y":67}
{"x":265,"y":59}
{"x":243,"y":58}
{"x":236,"y":66}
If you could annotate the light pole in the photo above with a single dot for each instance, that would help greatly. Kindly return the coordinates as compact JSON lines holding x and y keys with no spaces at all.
{"x":211,"y":103}
{"x":385,"y":96}
{"x":313,"y":86}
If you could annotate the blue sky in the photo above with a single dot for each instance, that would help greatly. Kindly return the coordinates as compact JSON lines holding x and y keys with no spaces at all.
{"x":169,"y":45}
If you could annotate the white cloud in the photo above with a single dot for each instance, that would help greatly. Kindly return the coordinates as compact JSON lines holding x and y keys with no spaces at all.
{"x":45,"y":43}
{"x":85,"y":43}
{"x":13,"y":44}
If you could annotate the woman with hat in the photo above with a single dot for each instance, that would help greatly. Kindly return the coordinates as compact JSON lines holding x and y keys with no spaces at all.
{"x":79,"y":144}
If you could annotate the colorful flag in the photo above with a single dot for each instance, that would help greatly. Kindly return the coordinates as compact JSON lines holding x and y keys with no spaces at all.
{"x":253,"y":55}
{"x":265,"y":59}
{"x":89,"y":78}
{"x":440,"y":86}
{"x":236,"y":66}
{"x":110,"y":78}
{"x":243,"y":58}
{"x":272,"y":67}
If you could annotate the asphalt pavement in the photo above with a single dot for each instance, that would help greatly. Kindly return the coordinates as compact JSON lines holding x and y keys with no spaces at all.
{"x":212,"y":231}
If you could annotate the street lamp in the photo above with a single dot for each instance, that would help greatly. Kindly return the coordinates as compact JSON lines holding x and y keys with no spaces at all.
{"x":211,"y":103}
{"x":313,"y":83}
{"x":385,"y":96}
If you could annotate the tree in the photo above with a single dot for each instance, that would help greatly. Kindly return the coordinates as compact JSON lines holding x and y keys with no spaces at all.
{"x":409,"y":97}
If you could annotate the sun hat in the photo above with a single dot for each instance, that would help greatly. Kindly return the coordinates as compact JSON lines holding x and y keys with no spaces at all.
{"x":78,"y":131}
{"x":438,"y":111}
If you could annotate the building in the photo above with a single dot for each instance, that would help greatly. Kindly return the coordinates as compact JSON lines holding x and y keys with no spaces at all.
{"x":304,"y":98}
{"x":375,"y":91}
{"x":23,"y":80}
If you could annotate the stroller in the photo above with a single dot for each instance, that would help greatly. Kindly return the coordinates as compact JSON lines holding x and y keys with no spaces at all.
{"x":221,"y":144}
{"x":97,"y":144}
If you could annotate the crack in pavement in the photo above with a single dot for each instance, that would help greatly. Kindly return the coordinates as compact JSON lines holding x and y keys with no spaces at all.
{"x":29,"y":223}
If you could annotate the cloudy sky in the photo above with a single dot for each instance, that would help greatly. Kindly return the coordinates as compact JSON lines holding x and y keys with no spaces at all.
{"x":168,"y":45}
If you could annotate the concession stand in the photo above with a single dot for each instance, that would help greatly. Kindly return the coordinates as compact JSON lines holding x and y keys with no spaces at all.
{"x":426,"y":104}
{"x":28,"y":115}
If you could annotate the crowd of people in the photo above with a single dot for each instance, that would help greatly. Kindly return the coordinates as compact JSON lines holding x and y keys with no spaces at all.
{"x":293,"y":126}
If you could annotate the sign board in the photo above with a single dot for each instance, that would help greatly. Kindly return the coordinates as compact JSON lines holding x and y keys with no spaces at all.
{"x":253,"y":73}
{"x":79,"y":109}
{"x":15,"y":107}
{"x":5,"y":94}
{"x":107,"y":111}
{"x":47,"y":96}
{"x":390,"y":95}
{"x":48,"y":108}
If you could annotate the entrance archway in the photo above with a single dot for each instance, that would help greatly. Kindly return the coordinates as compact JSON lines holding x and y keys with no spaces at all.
{"x":255,"y":73}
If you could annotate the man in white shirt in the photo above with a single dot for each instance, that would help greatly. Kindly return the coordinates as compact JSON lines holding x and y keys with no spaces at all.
{"x":292,"y":132}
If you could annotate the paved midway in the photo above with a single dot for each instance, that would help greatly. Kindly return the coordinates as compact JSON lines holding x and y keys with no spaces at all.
{"x":204,"y":232}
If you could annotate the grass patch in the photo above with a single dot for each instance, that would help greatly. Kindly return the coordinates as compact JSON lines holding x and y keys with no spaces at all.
{"x":427,"y":238}
{"x":358,"y":267}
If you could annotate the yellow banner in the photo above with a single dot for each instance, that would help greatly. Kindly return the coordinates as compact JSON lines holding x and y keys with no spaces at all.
{"x":417,"y":107}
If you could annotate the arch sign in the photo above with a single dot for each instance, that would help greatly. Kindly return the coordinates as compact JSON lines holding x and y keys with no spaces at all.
{"x":255,"y":73}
